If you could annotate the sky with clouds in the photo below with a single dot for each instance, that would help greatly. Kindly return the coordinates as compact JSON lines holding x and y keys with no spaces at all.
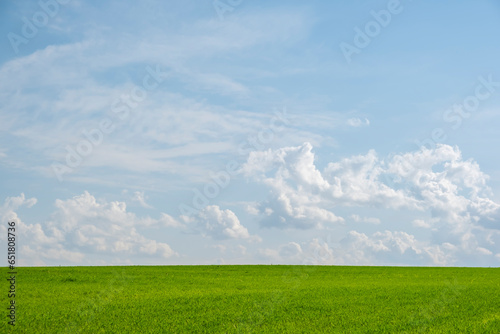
{"x":249,"y":132}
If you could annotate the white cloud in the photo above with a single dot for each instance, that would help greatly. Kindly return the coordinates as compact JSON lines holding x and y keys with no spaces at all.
{"x":297,"y":206}
{"x":269,"y":255}
{"x":369,"y":220}
{"x":428,"y":223}
{"x":8,"y":212}
{"x":11,"y":204}
{"x":83,"y":227}
{"x":437,"y":181}
{"x":168,"y":221}
{"x":139,"y":197}
{"x":238,"y":250}
{"x":153,"y":247}
{"x":356,"y":248}
{"x":483,"y":251}
{"x":219,"y":224}
{"x":421,"y":223}
{"x":319,"y":252}
{"x":290,"y":250}
{"x":385,"y":241}
{"x":56,"y":254}
{"x":357,"y":122}
{"x":252,"y":208}
{"x":401,"y":248}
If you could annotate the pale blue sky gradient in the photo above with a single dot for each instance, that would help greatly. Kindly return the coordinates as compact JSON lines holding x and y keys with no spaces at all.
{"x":328,"y":186}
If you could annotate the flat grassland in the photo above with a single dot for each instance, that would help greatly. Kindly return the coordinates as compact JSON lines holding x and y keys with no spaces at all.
{"x":255,"y":299}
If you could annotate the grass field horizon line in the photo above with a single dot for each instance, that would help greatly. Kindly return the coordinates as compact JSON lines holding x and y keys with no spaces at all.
{"x":253,"y":265}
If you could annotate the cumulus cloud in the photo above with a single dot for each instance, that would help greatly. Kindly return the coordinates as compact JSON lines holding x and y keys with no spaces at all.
{"x":438,"y":181}
{"x":389,"y":248}
{"x":357,"y":248}
{"x":11,"y":204}
{"x":313,"y":252}
{"x":34,"y":237}
{"x":218,"y":223}
{"x":319,"y":252}
{"x":83,"y":226}
{"x":362,"y":249}
{"x":296,"y":186}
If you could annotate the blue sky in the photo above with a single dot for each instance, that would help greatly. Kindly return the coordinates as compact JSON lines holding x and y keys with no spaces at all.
{"x":208,"y":132}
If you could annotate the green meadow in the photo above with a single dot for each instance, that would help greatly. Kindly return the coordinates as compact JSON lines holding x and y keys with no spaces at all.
{"x":255,"y":299}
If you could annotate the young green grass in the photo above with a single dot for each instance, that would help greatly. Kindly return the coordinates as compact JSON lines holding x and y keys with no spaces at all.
{"x":255,"y":299}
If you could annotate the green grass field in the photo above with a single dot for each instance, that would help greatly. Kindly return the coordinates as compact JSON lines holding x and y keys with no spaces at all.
{"x":255,"y":299}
